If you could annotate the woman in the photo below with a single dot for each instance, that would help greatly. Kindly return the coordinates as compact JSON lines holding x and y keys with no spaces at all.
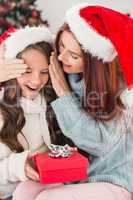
{"x":89,"y":109}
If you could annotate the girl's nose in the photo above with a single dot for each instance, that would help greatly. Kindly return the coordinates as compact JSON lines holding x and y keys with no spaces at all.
{"x":35,"y":81}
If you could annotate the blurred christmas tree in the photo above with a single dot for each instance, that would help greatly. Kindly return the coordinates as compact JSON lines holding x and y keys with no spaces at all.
{"x":19,"y":13}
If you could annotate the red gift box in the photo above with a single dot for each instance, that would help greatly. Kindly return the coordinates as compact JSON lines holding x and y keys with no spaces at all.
{"x":59,"y":170}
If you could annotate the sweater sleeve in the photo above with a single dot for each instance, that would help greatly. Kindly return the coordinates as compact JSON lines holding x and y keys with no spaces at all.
{"x":12,"y":165}
{"x":93,"y":137}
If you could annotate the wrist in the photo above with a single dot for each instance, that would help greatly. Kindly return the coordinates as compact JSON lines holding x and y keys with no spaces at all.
{"x":64,"y":92}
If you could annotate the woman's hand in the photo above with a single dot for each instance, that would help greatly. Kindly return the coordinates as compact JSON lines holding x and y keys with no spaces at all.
{"x":30,"y":172}
{"x":57,"y":76}
{"x":10,"y":69}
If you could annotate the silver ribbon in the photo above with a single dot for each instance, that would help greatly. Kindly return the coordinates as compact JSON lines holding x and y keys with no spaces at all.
{"x":59,"y":151}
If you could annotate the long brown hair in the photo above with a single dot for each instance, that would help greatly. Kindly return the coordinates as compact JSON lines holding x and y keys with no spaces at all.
{"x":11,"y":110}
{"x":102,"y":84}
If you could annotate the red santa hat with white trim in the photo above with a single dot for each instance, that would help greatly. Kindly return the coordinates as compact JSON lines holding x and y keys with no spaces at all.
{"x":16,"y":40}
{"x":104,"y":33}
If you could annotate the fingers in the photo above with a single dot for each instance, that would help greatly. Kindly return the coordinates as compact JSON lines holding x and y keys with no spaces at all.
{"x":14,"y":70}
{"x":14,"y":73}
{"x":14,"y":61}
{"x":55,"y":67}
{"x":51,"y":71}
{"x":2,"y":51}
{"x":53,"y":79}
{"x":13,"y":65}
{"x":54,"y":61}
{"x":32,"y":154}
{"x":73,"y":149}
{"x":12,"y":76}
{"x":16,"y":67}
{"x":10,"y":71}
{"x":31,"y":173}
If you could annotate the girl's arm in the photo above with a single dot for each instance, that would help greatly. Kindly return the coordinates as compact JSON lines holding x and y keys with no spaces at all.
{"x":15,"y":166}
{"x":12,"y":165}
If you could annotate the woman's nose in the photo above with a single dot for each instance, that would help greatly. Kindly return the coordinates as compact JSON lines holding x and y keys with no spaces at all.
{"x":63,"y":55}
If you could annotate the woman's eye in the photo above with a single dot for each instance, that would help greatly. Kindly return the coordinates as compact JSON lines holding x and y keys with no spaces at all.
{"x":74,"y":57}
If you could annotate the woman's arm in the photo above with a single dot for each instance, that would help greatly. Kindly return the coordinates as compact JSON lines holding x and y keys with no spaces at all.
{"x":10,"y":69}
{"x":89,"y":135}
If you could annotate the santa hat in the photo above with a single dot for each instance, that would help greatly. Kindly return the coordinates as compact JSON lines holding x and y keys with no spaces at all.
{"x":17,"y":40}
{"x":104,"y":33}
{"x":125,"y":7}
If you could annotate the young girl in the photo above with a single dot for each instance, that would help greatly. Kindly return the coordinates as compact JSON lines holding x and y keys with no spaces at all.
{"x":23,"y":124}
{"x":90,"y":109}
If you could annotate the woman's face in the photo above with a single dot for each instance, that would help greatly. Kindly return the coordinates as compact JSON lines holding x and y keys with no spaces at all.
{"x":70,"y":53}
{"x":36,"y":76}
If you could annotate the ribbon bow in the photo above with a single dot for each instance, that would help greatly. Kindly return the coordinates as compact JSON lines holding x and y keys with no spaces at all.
{"x":59,"y":151}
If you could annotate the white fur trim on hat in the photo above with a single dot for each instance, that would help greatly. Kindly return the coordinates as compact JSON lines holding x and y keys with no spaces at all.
{"x":90,"y":40}
{"x":23,"y":37}
{"x":127,"y":98}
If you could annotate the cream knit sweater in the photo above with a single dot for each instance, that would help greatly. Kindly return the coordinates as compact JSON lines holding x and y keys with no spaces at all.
{"x":36,"y":133}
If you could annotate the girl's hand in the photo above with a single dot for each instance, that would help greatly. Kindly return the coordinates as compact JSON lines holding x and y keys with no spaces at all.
{"x":30,"y":172}
{"x":73,"y":149}
{"x":10,"y":69}
{"x":57,"y":76}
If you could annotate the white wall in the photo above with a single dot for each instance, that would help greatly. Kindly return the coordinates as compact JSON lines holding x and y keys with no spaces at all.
{"x":54,"y":10}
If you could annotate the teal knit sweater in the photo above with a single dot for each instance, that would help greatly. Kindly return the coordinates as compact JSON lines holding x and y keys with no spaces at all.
{"x":109,"y":144}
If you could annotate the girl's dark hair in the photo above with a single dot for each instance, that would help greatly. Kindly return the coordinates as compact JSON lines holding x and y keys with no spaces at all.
{"x":102,"y":83}
{"x":12,"y":112}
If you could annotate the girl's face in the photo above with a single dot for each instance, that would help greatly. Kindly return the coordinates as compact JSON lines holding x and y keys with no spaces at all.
{"x":70,"y":53}
{"x":36,"y":75}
